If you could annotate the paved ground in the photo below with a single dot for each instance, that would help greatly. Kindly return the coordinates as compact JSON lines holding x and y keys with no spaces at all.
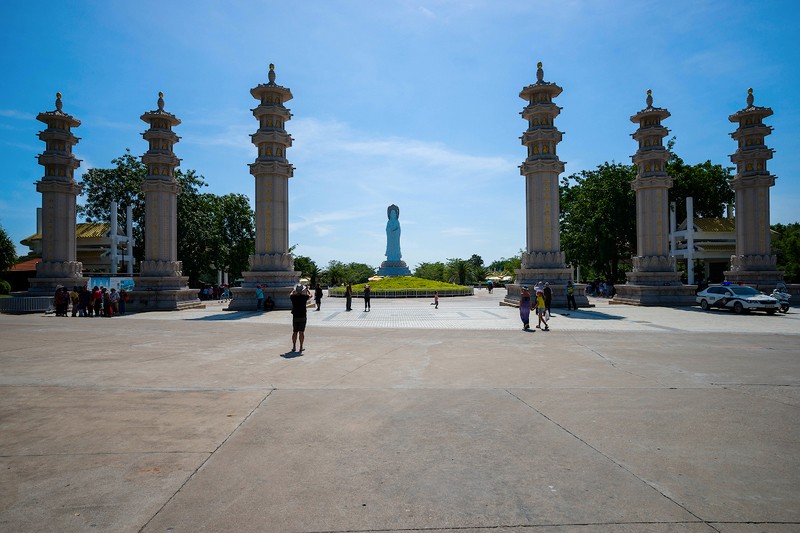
{"x":405,"y":418}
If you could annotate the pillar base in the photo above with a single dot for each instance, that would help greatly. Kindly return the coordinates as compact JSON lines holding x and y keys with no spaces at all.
{"x":556,"y":277}
{"x":763,"y":280}
{"x":47,"y":286}
{"x":162,"y":293}
{"x":659,"y":289}
{"x":276,"y":284}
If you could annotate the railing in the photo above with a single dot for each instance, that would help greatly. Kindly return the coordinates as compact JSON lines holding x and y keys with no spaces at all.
{"x":26,"y":304}
{"x":405,"y":293}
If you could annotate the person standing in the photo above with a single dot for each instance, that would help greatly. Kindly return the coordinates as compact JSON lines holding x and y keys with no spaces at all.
{"x":366,"y":297}
{"x":436,"y":300}
{"x":123,"y":298}
{"x":58,"y":301}
{"x":525,"y":307}
{"x":299,"y":297}
{"x":259,"y":298}
{"x":318,"y":296}
{"x":348,"y":296}
{"x":73,"y":296}
{"x":571,"y":296}
{"x":113,"y":305}
{"x":84,"y":296}
{"x":548,"y":297}
{"x":540,"y":311}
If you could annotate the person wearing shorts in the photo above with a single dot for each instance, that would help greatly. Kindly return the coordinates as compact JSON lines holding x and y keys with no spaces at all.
{"x":299,"y":297}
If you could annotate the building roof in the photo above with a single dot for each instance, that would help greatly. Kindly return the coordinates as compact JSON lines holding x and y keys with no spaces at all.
{"x":28,"y":265}
{"x":84,"y":230}
{"x":715,"y":225}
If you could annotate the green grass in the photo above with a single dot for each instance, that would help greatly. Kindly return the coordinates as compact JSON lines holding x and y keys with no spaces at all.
{"x":401,"y":283}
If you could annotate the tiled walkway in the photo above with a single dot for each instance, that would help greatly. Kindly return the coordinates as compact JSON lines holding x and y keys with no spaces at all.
{"x":484,"y":312}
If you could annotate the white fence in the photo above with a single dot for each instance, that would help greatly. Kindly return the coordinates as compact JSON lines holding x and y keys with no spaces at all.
{"x":26,"y":304}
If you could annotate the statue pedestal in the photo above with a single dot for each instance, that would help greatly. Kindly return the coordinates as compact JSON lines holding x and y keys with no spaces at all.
{"x":654,"y":283}
{"x":394,"y":268}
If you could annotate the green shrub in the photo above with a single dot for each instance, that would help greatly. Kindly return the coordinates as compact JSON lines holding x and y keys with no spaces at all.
{"x":399,"y":283}
{"x":5,"y":287}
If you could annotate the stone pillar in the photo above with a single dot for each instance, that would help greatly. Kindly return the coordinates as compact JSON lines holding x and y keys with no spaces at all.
{"x":543,"y":259}
{"x":59,"y":265}
{"x":161,"y":284}
{"x":753,"y":263}
{"x":272,"y":266}
{"x":654,"y":279}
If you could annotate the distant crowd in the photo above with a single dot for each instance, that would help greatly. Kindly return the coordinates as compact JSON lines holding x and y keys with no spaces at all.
{"x":84,"y":302}
{"x":222,"y":293}
{"x":600,"y":288}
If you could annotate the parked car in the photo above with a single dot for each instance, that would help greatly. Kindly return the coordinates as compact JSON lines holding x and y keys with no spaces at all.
{"x":740,"y":298}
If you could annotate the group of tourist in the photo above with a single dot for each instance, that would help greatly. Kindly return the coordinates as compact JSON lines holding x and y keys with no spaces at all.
{"x":215,"y":292}
{"x":600,"y":288}
{"x":544,"y":297}
{"x":96,"y":302}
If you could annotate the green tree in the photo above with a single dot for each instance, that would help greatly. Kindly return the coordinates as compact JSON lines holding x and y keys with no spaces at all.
{"x":358,"y":273}
{"x":214,"y":232}
{"x":706,"y":183}
{"x":198,"y":242}
{"x":505,"y":266}
{"x":335,"y":273}
{"x":598,"y":219}
{"x":308,"y":268}
{"x":477,"y":269}
{"x":8,"y":252}
{"x":121,"y":184}
{"x":458,"y":270}
{"x":432,"y":271}
{"x":786,"y":245}
{"x":235,"y":223}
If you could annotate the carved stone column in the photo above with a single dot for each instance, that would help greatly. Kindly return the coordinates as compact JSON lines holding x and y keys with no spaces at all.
{"x":59,"y":265}
{"x":272,"y":266}
{"x":654,"y":280}
{"x":161,"y":284}
{"x":753,"y":263}
{"x":543,"y":259}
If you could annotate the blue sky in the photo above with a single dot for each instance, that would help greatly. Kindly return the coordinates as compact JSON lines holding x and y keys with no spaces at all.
{"x":412,"y":102}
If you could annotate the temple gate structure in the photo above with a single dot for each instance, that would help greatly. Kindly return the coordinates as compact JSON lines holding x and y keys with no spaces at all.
{"x":753,"y":263}
{"x":542,"y":259}
{"x":654,"y":279}
{"x":272,"y":266}
{"x":59,"y":192}
{"x":161,"y":284}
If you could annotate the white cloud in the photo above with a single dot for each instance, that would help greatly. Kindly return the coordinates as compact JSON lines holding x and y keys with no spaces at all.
{"x":19,"y":115}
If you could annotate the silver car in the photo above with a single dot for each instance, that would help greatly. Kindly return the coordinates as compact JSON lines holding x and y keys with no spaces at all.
{"x":740,"y":298}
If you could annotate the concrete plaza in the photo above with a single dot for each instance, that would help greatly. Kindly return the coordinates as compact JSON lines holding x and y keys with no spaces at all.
{"x":406,"y":418}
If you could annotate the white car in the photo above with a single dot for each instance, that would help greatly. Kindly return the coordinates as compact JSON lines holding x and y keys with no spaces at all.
{"x":740,"y":298}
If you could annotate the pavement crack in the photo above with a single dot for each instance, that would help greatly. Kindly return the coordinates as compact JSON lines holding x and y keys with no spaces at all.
{"x":206,"y":460}
{"x":614,"y":365}
{"x":548,"y":526}
{"x":614,"y":461}
{"x":359,"y":367}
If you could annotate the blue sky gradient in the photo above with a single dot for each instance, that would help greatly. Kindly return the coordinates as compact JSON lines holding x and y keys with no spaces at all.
{"x":409,"y":102}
